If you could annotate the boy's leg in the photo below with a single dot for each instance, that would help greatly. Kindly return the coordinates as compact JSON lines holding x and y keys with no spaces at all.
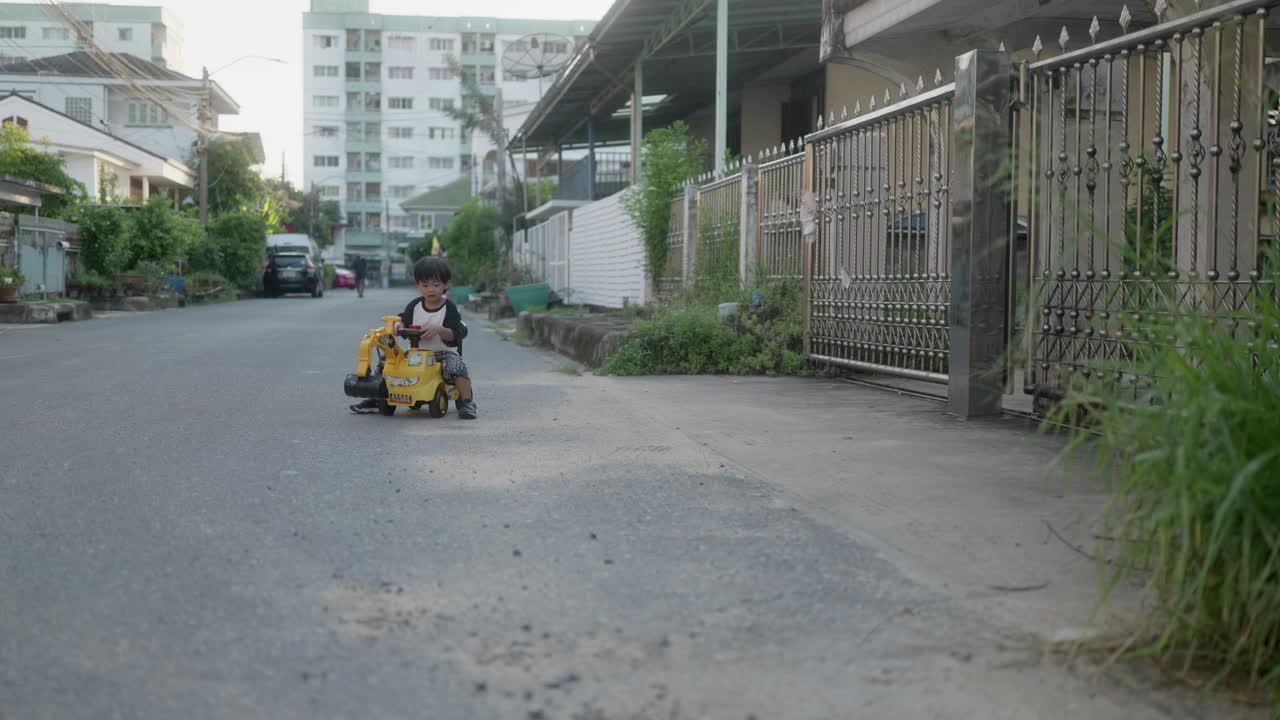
{"x":455,"y":373}
{"x":464,"y":387}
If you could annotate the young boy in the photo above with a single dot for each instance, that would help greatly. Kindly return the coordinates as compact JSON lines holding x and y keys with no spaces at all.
{"x":442,"y":330}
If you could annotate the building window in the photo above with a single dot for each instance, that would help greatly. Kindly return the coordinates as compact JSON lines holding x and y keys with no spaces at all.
{"x":400,"y":162}
{"x":325,"y":161}
{"x":373,"y":162}
{"x":441,"y":103}
{"x":324,"y":101}
{"x":508,"y":76}
{"x":328,"y":131}
{"x":325,"y":70}
{"x":487,"y":74}
{"x":355,"y":101}
{"x":440,"y":73}
{"x":355,"y":192}
{"x":353,"y":40}
{"x":56,"y":33}
{"x":442,"y":44}
{"x":442,"y":133}
{"x":486,"y":44}
{"x":146,"y":113}
{"x":373,"y":130}
{"x":353,"y":71}
{"x":399,"y":192}
{"x":355,"y":220}
{"x":354,"y":160}
{"x":80,"y":108}
{"x":465,"y":161}
{"x":324,"y":41}
{"x":440,"y":163}
{"x":468,"y":43}
{"x":355,"y":131}
{"x":400,"y":103}
{"x":373,"y":101}
{"x":125,"y":34}
{"x":373,"y":221}
{"x":372,"y":192}
{"x":400,"y":73}
{"x":373,"y":40}
{"x":427,"y":222}
{"x":372,"y":71}
{"x":13,"y":32}
{"x":515,"y":46}
{"x":328,"y":191}
{"x":400,"y":133}
{"x":402,"y":42}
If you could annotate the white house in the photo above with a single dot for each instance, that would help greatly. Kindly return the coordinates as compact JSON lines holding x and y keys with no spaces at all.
{"x":123,"y":95}
{"x":107,"y":166}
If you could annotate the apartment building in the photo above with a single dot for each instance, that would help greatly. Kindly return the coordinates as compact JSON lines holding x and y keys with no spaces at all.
{"x":38,"y":30}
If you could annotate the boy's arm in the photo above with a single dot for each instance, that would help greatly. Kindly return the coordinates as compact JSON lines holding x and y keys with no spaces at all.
{"x":406,"y":317}
{"x":453,"y":323}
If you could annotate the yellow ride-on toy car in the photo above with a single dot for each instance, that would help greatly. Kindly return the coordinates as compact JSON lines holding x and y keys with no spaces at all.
{"x":407,"y":378}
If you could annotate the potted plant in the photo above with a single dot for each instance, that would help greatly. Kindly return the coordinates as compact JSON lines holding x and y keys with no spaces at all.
{"x":11,"y":280}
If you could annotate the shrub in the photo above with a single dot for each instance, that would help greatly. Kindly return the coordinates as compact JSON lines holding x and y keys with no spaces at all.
{"x":204,"y":256}
{"x":241,"y":239}
{"x":690,"y":338}
{"x":104,"y":238}
{"x":154,"y":275}
{"x":330,"y":272}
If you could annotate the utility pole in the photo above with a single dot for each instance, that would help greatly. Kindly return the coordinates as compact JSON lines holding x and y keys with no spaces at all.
{"x":202,"y":142}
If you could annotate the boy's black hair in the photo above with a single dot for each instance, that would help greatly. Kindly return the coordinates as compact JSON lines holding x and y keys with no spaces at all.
{"x":431,"y":268}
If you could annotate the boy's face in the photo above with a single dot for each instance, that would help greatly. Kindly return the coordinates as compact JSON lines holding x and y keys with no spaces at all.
{"x":432,"y":290}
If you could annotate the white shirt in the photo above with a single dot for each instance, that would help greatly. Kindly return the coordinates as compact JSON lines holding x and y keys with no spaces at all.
{"x":424,"y":318}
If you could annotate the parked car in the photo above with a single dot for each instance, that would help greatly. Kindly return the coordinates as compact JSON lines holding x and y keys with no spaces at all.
{"x":292,"y":272}
{"x":344,"y":278}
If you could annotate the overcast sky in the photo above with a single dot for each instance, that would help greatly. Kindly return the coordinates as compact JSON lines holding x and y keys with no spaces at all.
{"x":216,"y":32}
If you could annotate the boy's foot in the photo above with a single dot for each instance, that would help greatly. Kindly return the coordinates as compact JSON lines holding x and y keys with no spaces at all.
{"x":365,"y":407}
{"x":466,"y":409}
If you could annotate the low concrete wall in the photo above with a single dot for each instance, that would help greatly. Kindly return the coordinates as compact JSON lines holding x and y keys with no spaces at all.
{"x":588,"y":339}
{"x":45,"y":312}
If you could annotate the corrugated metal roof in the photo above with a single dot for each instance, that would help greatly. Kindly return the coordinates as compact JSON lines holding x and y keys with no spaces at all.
{"x":763,"y":35}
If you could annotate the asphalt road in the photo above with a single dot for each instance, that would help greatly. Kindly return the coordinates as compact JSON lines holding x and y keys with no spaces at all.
{"x":192,"y":525}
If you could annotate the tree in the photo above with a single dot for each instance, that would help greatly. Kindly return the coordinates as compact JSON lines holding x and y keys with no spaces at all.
{"x":158,"y":233}
{"x":234,"y":185}
{"x":104,"y":238}
{"x":469,"y":241}
{"x":304,"y":212}
{"x":19,"y":158}
{"x":479,"y":112}
{"x":240,"y":239}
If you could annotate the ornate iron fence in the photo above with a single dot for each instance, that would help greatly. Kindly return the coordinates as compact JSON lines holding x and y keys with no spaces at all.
{"x":880,"y":275}
{"x":780,"y":253}
{"x":719,"y":224}
{"x":1150,"y":158}
{"x":672,"y":280}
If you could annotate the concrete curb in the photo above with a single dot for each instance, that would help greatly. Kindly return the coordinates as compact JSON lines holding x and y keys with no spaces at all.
{"x":588,"y":339}
{"x":45,"y":312}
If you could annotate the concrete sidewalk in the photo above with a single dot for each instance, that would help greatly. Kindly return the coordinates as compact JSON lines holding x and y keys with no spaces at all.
{"x":965,"y":507}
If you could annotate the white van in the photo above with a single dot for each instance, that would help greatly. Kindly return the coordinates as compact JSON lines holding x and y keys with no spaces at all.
{"x":293,"y":243}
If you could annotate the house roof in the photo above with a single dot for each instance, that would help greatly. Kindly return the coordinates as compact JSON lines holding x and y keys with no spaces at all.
{"x":450,"y":196}
{"x":86,"y":64}
{"x":674,"y":42}
{"x":115,"y":68}
{"x":174,"y":165}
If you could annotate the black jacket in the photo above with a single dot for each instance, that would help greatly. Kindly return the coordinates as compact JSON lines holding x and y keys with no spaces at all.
{"x":452,"y":320}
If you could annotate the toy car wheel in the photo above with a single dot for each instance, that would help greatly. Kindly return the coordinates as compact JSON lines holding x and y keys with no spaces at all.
{"x":439,"y":404}
{"x":386,"y":408}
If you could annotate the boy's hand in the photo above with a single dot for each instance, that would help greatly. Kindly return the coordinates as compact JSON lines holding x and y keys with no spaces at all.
{"x":429,"y":332}
{"x":397,"y":327}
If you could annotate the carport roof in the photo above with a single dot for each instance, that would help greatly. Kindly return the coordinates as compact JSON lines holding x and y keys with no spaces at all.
{"x":675,"y":39}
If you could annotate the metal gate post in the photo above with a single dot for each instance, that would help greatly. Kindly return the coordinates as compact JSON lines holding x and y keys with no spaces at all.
{"x":980,"y":137}
{"x":749,"y":223}
{"x":689,"y":266}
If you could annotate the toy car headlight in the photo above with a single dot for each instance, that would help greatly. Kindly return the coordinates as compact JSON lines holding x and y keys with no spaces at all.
{"x":402,"y":382}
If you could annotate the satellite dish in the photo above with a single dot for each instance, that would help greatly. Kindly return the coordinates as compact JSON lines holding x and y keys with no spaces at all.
{"x":537,"y":56}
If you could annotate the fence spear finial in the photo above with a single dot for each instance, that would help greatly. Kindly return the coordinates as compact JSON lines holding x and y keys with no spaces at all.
{"x":819,"y":121}
{"x":1002,"y":48}
{"x":844,"y":112}
{"x":888,"y":99}
{"x":1094,"y":29}
{"x":831,"y":118}
{"x":902,"y":90}
{"x":919,"y":84}
{"x":873,"y":103}
{"x":1162,"y":9}
{"x":1063,"y":38}
{"x":937,"y":77}
{"x":1037,"y":47}
{"x":1125,"y":18}
{"x":857,"y":108}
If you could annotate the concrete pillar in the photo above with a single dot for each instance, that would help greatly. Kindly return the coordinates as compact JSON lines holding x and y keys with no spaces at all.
{"x":591,"y":159}
{"x":637,"y":121}
{"x":979,"y":232}
{"x":722,"y":84}
{"x":749,"y":224}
